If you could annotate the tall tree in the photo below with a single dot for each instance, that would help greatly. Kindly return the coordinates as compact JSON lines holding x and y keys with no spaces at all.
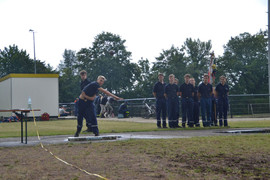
{"x":171,"y":61}
{"x":108,"y":56}
{"x":144,"y":83}
{"x":69,"y":80}
{"x":244,"y":62}
{"x":197,"y":57}
{"x":14,"y":60}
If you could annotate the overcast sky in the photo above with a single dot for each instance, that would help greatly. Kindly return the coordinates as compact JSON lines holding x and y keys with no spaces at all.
{"x":148,"y":26}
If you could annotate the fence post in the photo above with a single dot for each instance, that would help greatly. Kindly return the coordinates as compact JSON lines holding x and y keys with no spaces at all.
{"x":230,"y":110}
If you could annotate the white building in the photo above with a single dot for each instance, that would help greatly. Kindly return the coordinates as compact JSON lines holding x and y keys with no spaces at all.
{"x":43,"y":89}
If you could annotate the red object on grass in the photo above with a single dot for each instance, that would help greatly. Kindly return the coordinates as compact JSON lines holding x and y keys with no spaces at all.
{"x":45,"y":117}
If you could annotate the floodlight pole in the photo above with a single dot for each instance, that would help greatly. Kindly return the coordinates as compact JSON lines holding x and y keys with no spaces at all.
{"x":269,"y":51}
{"x":31,"y":30}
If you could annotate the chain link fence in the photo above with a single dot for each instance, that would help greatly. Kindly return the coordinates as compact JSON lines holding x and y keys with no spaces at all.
{"x":240,"y":105}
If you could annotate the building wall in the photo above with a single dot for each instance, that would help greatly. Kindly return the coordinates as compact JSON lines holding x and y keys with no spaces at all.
{"x":5,"y":97}
{"x":42,"y":91}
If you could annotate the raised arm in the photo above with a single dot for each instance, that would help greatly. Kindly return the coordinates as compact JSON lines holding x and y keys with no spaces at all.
{"x":109,"y":94}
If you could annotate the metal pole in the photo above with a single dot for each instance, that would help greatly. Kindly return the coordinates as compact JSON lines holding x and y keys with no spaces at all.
{"x":31,"y":30}
{"x":269,"y":50}
{"x":34,"y":52}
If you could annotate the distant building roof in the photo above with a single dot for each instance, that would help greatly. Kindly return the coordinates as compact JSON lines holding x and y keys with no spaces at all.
{"x":29,"y":76}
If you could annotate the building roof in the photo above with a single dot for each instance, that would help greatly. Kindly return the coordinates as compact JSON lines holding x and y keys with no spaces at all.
{"x":29,"y":76}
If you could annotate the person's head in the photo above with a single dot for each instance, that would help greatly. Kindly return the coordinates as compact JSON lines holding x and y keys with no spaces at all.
{"x":171,"y":78}
{"x":205,"y":78}
{"x":160,"y":77}
{"x":192,"y":81}
{"x":101,"y":80}
{"x":83,"y":75}
{"x":176,"y":81}
{"x":187,"y":77}
{"x":222,"y":79}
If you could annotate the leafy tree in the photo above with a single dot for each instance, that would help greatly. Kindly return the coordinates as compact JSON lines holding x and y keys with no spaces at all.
{"x":108,"y":56}
{"x":144,"y":80}
{"x":170,"y":61}
{"x":13,"y":60}
{"x":244,"y":62}
{"x":197,"y":57}
{"x":69,"y":79}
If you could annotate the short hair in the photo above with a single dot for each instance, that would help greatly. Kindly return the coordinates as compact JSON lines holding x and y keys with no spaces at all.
{"x":187,"y":75}
{"x":222,"y":77}
{"x":171,"y":75}
{"x":160,"y":74}
{"x":83,"y":72}
{"x":192,"y":78}
{"x":206,"y":75}
{"x":102,"y":77}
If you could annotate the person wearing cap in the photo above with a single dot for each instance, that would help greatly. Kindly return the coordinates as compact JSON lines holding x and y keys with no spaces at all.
{"x":87,"y":107}
{"x":222,"y":92}
{"x":205,"y":94}
{"x":187,"y":93}
{"x":196,"y":104}
{"x":171,"y":93}
{"x":158,"y":92}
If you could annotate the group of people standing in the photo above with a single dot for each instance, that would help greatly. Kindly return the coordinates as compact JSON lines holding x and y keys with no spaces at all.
{"x":192,"y":97}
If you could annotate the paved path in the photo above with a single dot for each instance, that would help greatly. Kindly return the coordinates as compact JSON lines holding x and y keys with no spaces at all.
{"x":60,"y":139}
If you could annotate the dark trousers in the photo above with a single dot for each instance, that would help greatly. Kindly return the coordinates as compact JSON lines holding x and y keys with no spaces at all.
{"x":222,"y":110}
{"x":161,"y":109}
{"x":196,"y":113}
{"x":206,"y":108}
{"x":172,"y":111}
{"x":187,"y":104}
{"x":178,"y":111}
{"x":87,"y":110}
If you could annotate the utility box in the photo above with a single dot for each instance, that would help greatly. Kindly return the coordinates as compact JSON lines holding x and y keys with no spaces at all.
{"x":43,"y":89}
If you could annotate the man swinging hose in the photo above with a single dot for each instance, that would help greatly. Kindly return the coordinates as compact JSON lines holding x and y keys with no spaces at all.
{"x":86,"y":107}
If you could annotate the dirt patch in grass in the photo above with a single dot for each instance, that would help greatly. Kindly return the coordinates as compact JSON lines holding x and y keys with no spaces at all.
{"x":232,"y":157}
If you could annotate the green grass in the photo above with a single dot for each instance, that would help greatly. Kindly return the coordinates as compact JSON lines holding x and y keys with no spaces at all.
{"x":66,"y":127}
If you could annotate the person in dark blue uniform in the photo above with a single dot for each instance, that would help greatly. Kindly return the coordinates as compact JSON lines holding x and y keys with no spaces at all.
{"x":171,"y":94}
{"x":158,"y":92}
{"x":222,"y":92}
{"x":123,"y":111}
{"x":205,"y":93}
{"x":196,"y":104}
{"x":187,"y":93}
{"x":85,"y":82}
{"x":86,"y":106}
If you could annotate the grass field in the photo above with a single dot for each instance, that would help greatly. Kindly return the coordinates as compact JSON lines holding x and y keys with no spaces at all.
{"x":225,"y":157}
{"x":66,"y":127}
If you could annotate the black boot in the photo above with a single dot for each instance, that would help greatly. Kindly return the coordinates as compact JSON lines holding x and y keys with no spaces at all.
{"x":77,"y":134}
{"x":220,"y":123}
{"x":225,"y":123}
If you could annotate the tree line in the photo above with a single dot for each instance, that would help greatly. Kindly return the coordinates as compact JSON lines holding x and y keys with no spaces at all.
{"x":244,"y":63}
